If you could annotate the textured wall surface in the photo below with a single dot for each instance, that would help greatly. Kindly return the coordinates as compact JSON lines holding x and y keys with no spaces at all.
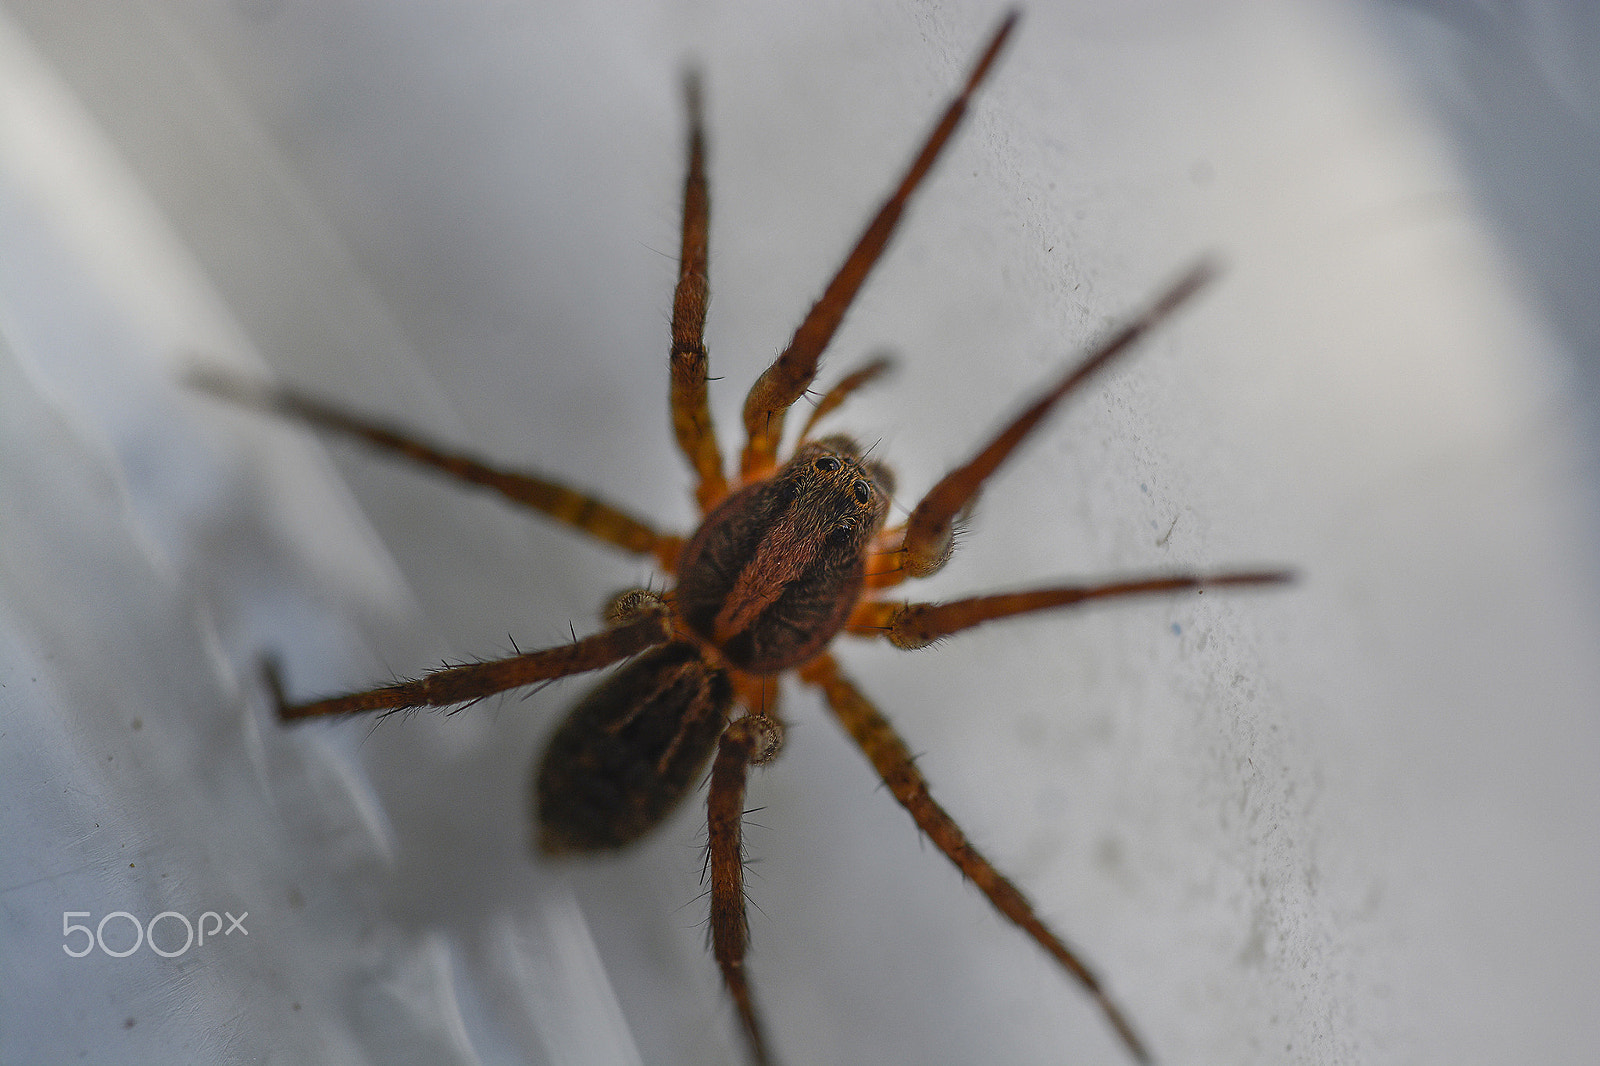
{"x":1351,"y":820}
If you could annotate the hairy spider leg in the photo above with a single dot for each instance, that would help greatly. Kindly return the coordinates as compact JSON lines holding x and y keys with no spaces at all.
{"x":471,"y":682}
{"x":787,"y":379}
{"x":747,"y":741}
{"x":757,"y":693}
{"x":927,"y":537}
{"x":691,"y":406}
{"x":581,"y":511}
{"x":858,"y":378}
{"x":892,"y":760}
{"x":916,"y":625}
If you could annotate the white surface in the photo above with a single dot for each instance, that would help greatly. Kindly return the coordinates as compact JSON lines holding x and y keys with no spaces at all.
{"x":1350,"y":821}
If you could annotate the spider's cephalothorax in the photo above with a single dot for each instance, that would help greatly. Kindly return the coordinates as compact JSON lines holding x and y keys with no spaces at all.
{"x":784,"y":560}
{"x":773,"y":572}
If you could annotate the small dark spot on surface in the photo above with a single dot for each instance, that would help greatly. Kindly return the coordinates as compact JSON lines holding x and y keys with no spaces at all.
{"x":294,"y":1006}
{"x":1177,"y":630}
{"x":1109,"y":853}
{"x":137,"y":724}
{"x":129,"y":1023}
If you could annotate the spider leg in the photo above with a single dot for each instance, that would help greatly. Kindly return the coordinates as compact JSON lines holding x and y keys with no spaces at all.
{"x":782,"y":383}
{"x":893,"y":762}
{"x":916,"y":625}
{"x":928,"y":535}
{"x":473,"y":681}
{"x":587,"y":514}
{"x":691,"y":407}
{"x":862,"y":376}
{"x":757,"y":693}
{"x":748,"y":741}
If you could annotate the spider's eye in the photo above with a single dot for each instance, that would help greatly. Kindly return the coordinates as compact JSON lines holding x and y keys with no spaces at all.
{"x":862,"y":491}
{"x":827,"y":464}
{"x":840,"y":535}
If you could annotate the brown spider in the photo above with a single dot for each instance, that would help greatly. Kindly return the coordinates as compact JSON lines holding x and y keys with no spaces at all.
{"x":785,"y":558}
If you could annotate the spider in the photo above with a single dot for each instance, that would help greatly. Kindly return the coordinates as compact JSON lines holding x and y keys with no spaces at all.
{"x":788,"y":555}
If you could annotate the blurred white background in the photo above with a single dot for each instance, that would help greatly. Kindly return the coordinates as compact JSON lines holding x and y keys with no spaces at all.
{"x":1353,"y":820}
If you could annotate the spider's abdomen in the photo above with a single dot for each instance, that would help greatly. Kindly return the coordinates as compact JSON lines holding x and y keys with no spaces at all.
{"x":773,"y":571}
{"x":628,"y":754}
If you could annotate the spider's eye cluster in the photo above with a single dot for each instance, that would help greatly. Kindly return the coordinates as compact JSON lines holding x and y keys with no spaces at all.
{"x":826,"y":463}
{"x":862,"y":490}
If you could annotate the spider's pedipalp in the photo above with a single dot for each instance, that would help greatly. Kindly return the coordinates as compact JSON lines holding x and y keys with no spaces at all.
{"x":787,"y":379}
{"x":692,"y":426}
{"x":916,"y":625}
{"x":856,"y":379}
{"x":582,"y":511}
{"x":473,"y":681}
{"x":893,"y":762}
{"x":928,"y":535}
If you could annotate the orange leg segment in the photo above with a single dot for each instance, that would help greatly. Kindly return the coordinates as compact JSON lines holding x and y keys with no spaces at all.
{"x":474,"y":681}
{"x":928,"y":530}
{"x":893,"y":762}
{"x":587,"y":514}
{"x":782,"y":383}
{"x":916,"y":625}
{"x":747,"y":741}
{"x":691,"y":406}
